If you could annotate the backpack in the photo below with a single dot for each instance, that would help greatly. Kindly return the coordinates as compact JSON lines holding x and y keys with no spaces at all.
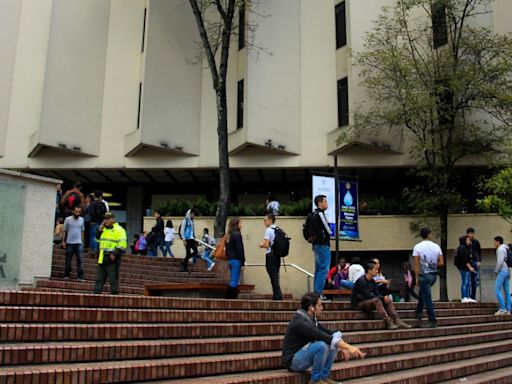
{"x":508,"y":258}
{"x":281,"y":245}
{"x":307,"y":229}
{"x":73,"y":200}
{"x":98,"y":210}
{"x":457,"y":257}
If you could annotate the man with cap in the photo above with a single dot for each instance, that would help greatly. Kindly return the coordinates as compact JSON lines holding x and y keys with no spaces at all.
{"x":112,"y":241}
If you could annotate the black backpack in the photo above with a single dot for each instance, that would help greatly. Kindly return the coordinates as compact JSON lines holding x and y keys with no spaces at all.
{"x":73,"y":200}
{"x":98,"y":210}
{"x":508,"y":258}
{"x":458,"y":260}
{"x":281,"y":245}
{"x":307,"y":229}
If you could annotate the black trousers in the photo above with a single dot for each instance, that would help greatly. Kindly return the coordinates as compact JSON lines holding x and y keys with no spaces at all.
{"x":110,"y":270}
{"x":190,"y":250}
{"x":273,"y":263}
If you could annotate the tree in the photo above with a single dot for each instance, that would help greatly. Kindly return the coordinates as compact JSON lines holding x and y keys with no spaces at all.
{"x":442,"y":80}
{"x":215,"y":31}
{"x":498,"y":198}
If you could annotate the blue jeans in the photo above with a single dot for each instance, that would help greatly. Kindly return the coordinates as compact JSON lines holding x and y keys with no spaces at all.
{"x":426,"y":282}
{"x":317,"y":355}
{"x":234,"y":267}
{"x":167,"y":249}
{"x":503,"y":281}
{"x":206,"y":257}
{"x":465,"y":285}
{"x":77,"y":250}
{"x":158,"y":244}
{"x":93,"y":244}
{"x":322,"y":264}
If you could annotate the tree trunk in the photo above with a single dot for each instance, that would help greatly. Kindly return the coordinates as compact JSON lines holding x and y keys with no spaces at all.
{"x":224,"y":184}
{"x":443,"y":287}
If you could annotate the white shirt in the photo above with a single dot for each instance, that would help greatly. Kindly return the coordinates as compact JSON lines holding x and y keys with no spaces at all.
{"x":355,"y":271}
{"x":429,"y":253}
{"x":270,"y":235}
{"x":273,"y":207}
{"x":168,"y":234}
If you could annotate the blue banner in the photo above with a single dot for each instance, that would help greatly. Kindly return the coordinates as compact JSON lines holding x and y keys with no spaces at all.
{"x":349,"y":210}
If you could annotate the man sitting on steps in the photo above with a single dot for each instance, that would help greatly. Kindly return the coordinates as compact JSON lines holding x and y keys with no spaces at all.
{"x":308,"y":344}
{"x":366,"y":297}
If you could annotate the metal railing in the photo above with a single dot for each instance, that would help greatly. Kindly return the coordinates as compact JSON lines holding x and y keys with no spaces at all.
{"x":308,"y":274}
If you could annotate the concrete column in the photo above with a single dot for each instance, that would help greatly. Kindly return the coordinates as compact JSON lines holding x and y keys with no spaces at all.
{"x":134,"y":211}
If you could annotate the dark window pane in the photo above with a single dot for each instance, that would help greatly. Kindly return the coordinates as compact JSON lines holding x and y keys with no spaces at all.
{"x":439,"y":29}
{"x":341,"y":26}
{"x":240,"y":105}
{"x":342,"y":102}
{"x":241,"y":28}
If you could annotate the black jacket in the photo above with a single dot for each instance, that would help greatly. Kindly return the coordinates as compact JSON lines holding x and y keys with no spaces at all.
{"x":301,"y":330}
{"x":235,"y":247}
{"x":477,"y":250}
{"x":463,"y":255}
{"x":322,"y":236}
{"x":159,"y":227}
{"x":364,"y":290}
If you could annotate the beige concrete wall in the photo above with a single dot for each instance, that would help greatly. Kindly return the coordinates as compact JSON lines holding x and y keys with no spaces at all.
{"x":37,"y":224}
{"x":378,"y":233}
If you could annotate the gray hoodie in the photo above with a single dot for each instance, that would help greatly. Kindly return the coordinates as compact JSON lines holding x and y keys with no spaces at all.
{"x":501,"y":254}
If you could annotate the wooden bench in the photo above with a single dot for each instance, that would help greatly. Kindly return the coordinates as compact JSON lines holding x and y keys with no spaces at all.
{"x":191,"y":289}
{"x":337,"y":292}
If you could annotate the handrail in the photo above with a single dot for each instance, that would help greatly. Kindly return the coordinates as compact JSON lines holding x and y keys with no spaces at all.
{"x":309,"y":275}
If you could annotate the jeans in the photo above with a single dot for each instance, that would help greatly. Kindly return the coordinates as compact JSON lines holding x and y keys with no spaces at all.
{"x":206,"y":257}
{"x":77,"y":250}
{"x":167,"y":249}
{"x":465,"y":285}
{"x":272,"y":264}
{"x":317,"y":355}
{"x":426,"y":282}
{"x":503,"y":281}
{"x":158,"y":244}
{"x":93,"y":228}
{"x":234,"y":268}
{"x":474,"y":282}
{"x":342,"y":283}
{"x":322,"y":263}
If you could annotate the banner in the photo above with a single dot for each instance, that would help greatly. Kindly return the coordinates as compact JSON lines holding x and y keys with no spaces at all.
{"x":325,"y":185}
{"x":349,"y":210}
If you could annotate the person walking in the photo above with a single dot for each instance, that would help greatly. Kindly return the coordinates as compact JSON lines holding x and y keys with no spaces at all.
{"x":71,"y":199}
{"x":427,"y":258}
{"x":235,"y":256}
{"x":158,"y":230}
{"x":72,"y":242}
{"x":168,"y":238}
{"x":188,"y":234}
{"x":502,"y":272}
{"x":462,"y":261}
{"x":113,"y":242}
{"x":308,"y":344}
{"x":97,"y":211}
{"x":206,"y":256}
{"x":321,"y":244}
{"x":410,"y":282}
{"x":272,"y":262}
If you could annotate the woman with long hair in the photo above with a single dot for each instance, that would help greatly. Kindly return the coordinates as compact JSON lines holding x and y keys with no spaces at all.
{"x":410,"y":281}
{"x":235,"y":256}
{"x":168,"y":238}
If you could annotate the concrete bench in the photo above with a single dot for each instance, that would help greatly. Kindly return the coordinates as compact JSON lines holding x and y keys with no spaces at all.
{"x":215,"y":290}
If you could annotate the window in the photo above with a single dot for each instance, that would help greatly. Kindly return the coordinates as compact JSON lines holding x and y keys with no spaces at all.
{"x":439,"y":29}
{"x":341,"y":26}
{"x":241,"y":28}
{"x":342,"y":102}
{"x":240,"y":105}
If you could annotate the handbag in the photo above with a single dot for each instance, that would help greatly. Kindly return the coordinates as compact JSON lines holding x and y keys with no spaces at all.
{"x":220,"y":249}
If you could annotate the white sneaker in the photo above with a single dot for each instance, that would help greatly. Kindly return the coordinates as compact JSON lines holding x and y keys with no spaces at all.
{"x":500,"y":312}
{"x":507,"y":312}
{"x":472,"y":300}
{"x":465,"y":300}
{"x":211,"y":266}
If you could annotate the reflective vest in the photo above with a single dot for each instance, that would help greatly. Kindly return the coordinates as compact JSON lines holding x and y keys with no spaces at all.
{"x":110,"y":239}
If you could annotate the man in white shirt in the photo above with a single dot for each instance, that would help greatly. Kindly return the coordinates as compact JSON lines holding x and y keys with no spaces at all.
{"x":272,"y":262}
{"x":427,"y":258}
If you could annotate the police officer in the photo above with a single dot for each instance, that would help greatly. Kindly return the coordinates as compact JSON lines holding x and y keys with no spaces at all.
{"x":112,"y":243}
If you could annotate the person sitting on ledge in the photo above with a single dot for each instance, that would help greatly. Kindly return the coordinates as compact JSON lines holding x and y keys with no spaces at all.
{"x":366,"y":297}
{"x":309,"y":344}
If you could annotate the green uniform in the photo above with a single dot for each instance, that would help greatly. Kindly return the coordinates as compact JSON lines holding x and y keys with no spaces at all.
{"x":111,"y":242}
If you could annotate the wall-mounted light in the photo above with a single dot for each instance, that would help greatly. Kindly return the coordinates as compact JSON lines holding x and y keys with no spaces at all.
{"x":77,"y":148}
{"x":178,"y":148}
{"x":269,"y":144}
{"x":281,"y":147}
{"x":163,"y":144}
{"x":62,"y":145}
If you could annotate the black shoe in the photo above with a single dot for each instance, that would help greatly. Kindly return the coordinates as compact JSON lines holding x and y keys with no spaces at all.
{"x":324,"y":299}
{"x":430,"y":324}
{"x":418,"y":316}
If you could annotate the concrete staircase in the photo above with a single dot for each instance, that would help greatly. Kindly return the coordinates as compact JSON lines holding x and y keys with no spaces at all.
{"x":61,"y":337}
